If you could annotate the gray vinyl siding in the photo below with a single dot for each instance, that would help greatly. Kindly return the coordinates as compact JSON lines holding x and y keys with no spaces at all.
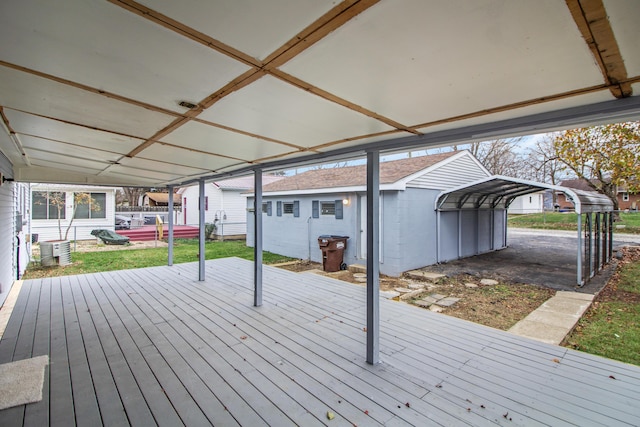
{"x":409,"y":232}
{"x":7,"y":231}
{"x":452,"y":174}
{"x":297,"y":237}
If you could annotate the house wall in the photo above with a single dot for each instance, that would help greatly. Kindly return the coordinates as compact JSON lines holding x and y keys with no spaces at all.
{"x":297,"y":237}
{"x":466,"y":233}
{"x":632,"y":204}
{"x":530,"y":203}
{"x":47,"y":229}
{"x":15,"y":244}
{"x":409,"y":231}
{"x":458,"y":171}
{"x":232,"y":202}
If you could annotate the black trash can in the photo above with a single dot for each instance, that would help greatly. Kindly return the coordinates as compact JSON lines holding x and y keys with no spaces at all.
{"x":333,"y":248}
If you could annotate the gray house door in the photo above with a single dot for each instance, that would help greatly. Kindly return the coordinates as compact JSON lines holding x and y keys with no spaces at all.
{"x":362,"y":243}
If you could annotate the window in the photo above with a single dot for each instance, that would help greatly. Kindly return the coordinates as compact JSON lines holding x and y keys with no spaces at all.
{"x":327,"y":208}
{"x":334,"y":208}
{"x":90,"y":207}
{"x":266,"y":208}
{"x":45,"y":204}
{"x":288,"y":208}
{"x":625,"y":197}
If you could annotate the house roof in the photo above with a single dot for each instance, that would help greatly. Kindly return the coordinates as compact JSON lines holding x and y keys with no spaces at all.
{"x":163,"y":198}
{"x":349,"y":176}
{"x":579,"y":184}
{"x":245,"y":182}
{"x":156,"y":93}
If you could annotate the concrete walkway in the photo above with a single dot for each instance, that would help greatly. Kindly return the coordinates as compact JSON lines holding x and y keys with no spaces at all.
{"x":555,"y":319}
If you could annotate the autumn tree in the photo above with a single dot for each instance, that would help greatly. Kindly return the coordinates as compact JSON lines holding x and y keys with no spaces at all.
{"x":606,"y":157}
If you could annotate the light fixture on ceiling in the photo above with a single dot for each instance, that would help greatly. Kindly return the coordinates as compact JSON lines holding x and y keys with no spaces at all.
{"x":187,"y":104}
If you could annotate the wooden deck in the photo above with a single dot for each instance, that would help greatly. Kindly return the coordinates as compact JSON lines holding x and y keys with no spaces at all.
{"x":154,"y":346}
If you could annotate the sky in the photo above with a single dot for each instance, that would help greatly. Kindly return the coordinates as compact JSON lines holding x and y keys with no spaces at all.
{"x":525,"y":145}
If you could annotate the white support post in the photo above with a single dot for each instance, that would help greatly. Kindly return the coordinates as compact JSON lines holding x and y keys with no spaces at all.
{"x":257,"y":241}
{"x":201,"y":235}
{"x":579,"y":257}
{"x":170,"y":233}
{"x":373,"y":257}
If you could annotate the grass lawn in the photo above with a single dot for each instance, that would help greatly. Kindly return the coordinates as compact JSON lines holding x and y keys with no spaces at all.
{"x":568,"y":221}
{"x":611,"y":327}
{"x":184,"y":250}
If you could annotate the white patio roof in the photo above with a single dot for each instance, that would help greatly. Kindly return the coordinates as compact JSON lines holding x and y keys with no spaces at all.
{"x":94,"y":92}
{"x":497,"y":192}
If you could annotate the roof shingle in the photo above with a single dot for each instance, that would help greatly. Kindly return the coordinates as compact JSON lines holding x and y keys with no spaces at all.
{"x":390,"y":172}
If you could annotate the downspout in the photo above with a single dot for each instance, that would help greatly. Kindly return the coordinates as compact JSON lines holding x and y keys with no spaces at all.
{"x":309,"y":238}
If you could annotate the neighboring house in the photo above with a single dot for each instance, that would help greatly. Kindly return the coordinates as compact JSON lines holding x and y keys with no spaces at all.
{"x":225,"y":204}
{"x":531,"y":203}
{"x":15,"y":239}
{"x":299,"y":209}
{"x":99,"y":213}
{"x":626,"y":200}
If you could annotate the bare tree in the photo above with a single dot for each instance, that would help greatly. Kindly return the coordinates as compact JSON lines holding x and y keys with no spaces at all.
{"x":133,"y":195}
{"x":499,"y":156}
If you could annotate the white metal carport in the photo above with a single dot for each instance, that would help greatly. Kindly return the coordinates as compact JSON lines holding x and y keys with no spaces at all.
{"x":475,"y":217}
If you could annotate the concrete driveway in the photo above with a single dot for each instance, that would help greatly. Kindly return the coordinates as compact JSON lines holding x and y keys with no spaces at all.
{"x":542,"y":257}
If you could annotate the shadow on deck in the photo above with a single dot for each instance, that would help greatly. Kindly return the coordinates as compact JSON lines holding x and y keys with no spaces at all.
{"x":154,"y":346}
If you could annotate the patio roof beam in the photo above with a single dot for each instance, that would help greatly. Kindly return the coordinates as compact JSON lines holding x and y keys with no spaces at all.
{"x":603,"y":112}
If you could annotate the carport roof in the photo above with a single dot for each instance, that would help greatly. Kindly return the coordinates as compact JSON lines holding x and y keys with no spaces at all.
{"x":497,"y":192}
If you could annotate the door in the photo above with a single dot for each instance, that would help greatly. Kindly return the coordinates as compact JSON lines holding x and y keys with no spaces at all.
{"x":362,"y":250}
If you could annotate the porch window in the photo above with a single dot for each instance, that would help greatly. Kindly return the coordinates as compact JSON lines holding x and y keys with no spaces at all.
{"x":45,"y":204}
{"x":93,"y":208}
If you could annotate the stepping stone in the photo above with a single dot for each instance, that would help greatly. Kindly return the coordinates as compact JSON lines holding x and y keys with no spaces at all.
{"x":470,"y":285}
{"x":448,"y":301}
{"x":411,"y":294}
{"x":436,"y":308}
{"x":488,"y":282}
{"x":403,"y":290}
{"x":423,"y":303}
{"x":429,"y":300}
{"x":437,"y":296}
{"x":416,"y":286}
{"x":419,"y":274}
{"x":360,"y":277}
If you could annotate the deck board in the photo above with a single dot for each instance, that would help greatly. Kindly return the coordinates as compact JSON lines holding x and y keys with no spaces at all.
{"x":155,"y":346}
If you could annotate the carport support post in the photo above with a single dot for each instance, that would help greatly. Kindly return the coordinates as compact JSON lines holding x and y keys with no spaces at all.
{"x":170,"y":235}
{"x":201,"y":231}
{"x":257,"y":240}
{"x":373,"y":257}
{"x":579,"y":258}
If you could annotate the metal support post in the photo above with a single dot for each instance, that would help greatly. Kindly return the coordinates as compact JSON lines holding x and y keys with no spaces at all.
{"x":373,"y":257}
{"x":201,"y":236}
{"x":257,"y":241}
{"x":170,"y":235}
